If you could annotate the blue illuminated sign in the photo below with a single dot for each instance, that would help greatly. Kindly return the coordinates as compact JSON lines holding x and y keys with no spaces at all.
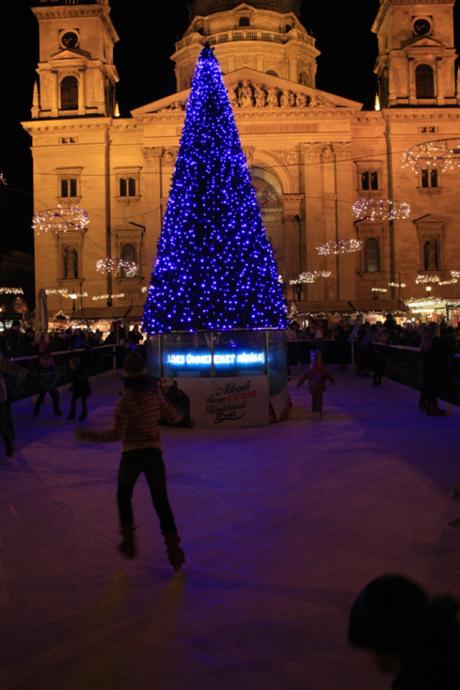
{"x":220,"y":359}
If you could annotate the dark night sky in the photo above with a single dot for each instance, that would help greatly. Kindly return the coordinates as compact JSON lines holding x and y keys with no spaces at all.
{"x":342,"y":31}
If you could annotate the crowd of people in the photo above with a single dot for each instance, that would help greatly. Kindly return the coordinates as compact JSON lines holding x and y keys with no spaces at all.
{"x":24,"y":341}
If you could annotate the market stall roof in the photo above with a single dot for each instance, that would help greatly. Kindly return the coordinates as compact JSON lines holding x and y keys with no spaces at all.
{"x":350,"y":306}
{"x":107,"y":313}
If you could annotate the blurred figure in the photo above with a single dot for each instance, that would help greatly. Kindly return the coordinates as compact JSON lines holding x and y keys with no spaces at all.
{"x":177,"y":397}
{"x":80,"y":386}
{"x":379,"y":353}
{"x":6,"y":417}
{"x":48,"y":377}
{"x":411,"y":636}
{"x":316,"y":375}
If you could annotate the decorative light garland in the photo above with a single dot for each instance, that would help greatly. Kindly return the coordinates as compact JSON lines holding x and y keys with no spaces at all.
{"x":455,"y":274}
{"x":116,"y":266}
{"x":425,"y":280}
{"x":452,"y":281}
{"x":99,"y":298}
{"x":75,"y":295}
{"x":340,"y":247}
{"x":61,"y":220}
{"x":381,"y":209}
{"x":310,"y":277}
{"x":11,"y":291}
{"x":376,"y":289}
{"x":397,"y":285}
{"x":56,"y":291}
{"x":441,"y":154}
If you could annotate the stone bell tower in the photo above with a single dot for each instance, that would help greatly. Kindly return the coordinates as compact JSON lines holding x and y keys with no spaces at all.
{"x":76,"y":72}
{"x":416,"y":65}
{"x":265,"y":35}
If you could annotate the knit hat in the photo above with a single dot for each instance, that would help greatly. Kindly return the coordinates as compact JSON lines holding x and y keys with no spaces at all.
{"x":134,"y":367}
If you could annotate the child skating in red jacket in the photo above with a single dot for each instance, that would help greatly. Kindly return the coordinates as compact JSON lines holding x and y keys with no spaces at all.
{"x":316,"y":375}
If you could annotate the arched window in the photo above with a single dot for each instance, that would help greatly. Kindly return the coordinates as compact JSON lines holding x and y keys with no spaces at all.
{"x":128,"y":253}
{"x":244,"y":21}
{"x":371,"y":255}
{"x":431,"y":254}
{"x":424,"y":82}
{"x":69,"y":93}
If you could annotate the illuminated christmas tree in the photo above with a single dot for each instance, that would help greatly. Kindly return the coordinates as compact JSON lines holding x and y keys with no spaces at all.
{"x":215,"y":268}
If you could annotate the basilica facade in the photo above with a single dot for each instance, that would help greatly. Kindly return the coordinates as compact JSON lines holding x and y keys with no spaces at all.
{"x":312,"y":155}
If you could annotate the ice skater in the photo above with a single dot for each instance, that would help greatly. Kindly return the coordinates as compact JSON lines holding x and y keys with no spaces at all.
{"x":48,"y":376}
{"x":80,"y":388}
{"x":136,"y":424}
{"x":316,"y":375}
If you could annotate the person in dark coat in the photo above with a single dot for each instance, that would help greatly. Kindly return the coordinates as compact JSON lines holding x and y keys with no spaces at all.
{"x":80,"y":387}
{"x":48,"y":376}
{"x":412,"y":636}
{"x":7,"y":368}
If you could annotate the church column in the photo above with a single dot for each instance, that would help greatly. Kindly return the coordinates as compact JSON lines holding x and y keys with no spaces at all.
{"x":168,"y":161}
{"x":348,"y":263}
{"x":152,"y":192}
{"x":55,"y":101}
{"x":81,"y":92}
{"x":293,"y":232}
{"x":311,"y":187}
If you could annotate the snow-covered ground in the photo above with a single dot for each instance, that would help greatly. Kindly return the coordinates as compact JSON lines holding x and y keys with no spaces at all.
{"x":281,"y":527}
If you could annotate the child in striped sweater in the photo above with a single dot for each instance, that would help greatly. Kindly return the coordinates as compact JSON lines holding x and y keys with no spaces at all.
{"x":137,"y":415}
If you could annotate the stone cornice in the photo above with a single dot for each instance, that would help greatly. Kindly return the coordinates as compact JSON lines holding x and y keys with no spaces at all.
{"x":385,"y":6}
{"x":68,"y":11}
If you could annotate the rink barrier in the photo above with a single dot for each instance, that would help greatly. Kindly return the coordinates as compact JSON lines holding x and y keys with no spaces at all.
{"x":102,"y":358}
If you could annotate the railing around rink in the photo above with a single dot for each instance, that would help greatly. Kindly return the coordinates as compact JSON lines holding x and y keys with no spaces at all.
{"x":405,"y":365}
{"x":101,"y":359}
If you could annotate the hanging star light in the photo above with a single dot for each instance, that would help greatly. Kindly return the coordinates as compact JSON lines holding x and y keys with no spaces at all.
{"x":310,"y":277}
{"x":61,"y":220}
{"x":380,"y":209}
{"x":340,"y":247}
{"x":452,"y":281}
{"x":116,"y":266}
{"x":441,"y":154}
{"x":425,"y":280}
{"x":99,"y":298}
{"x":11,"y":291}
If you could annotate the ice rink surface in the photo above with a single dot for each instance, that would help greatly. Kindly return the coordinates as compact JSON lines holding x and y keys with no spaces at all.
{"x":281,"y":526}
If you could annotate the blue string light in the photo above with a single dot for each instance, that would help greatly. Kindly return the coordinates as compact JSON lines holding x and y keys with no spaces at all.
{"x":215,"y":268}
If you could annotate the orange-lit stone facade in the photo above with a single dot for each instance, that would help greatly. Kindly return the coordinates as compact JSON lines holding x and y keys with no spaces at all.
{"x":312,"y":153}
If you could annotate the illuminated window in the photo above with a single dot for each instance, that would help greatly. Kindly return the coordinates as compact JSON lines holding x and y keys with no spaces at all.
{"x":429,"y":178}
{"x":69,"y":93}
{"x":424,"y":82}
{"x":69,"y":187}
{"x":371,"y":255}
{"x":369,"y":180}
{"x":128,"y":186}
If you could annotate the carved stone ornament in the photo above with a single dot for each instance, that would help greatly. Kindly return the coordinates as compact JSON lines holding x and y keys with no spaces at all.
{"x":248,"y":94}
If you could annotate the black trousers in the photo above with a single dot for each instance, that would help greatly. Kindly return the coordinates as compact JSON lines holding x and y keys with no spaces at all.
{"x":54,"y":394}
{"x":6,"y":424}
{"x":150,"y":462}
{"x":84,"y":403}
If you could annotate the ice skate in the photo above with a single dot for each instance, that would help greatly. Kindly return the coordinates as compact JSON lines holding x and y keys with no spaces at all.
{"x":128,"y":546}
{"x":175,"y":554}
